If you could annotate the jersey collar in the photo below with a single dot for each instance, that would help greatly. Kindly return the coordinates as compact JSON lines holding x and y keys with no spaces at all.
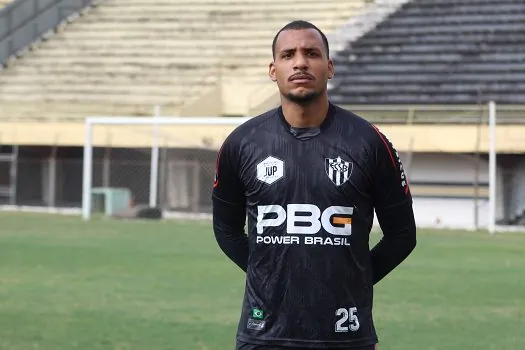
{"x":307,"y":133}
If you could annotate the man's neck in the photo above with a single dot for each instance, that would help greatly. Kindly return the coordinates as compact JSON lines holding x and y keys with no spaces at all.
{"x":309,"y":116}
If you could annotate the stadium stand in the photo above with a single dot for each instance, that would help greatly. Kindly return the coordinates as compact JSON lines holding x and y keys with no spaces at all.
{"x":437,"y":52}
{"x":123,"y":57}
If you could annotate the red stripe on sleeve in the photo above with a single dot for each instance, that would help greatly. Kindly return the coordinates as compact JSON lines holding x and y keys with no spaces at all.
{"x":216,"y":179}
{"x":391,"y":155}
{"x":387,"y":148}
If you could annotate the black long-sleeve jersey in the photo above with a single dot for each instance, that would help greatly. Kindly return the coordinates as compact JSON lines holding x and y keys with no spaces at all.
{"x":310,"y":197}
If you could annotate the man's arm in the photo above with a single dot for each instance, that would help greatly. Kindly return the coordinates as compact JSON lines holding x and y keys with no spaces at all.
{"x":393,"y":205}
{"x":229,"y":208}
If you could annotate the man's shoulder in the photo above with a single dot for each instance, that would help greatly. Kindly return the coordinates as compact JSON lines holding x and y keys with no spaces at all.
{"x":368,"y":132}
{"x":250,"y":126}
{"x":347,"y":116}
{"x":353,"y":122}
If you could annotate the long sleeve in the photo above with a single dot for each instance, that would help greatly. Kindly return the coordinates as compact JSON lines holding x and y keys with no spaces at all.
{"x":228,"y":226}
{"x":229,"y":206}
{"x":398,"y":241}
{"x":393,"y":205}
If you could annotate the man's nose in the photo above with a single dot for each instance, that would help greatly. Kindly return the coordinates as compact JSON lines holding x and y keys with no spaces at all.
{"x":300,"y":63}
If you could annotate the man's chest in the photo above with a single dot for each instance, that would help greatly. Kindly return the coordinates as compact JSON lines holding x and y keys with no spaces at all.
{"x":317,"y":171}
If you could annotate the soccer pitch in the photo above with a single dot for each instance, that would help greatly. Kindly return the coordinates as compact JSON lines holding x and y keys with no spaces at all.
{"x":105,"y":284}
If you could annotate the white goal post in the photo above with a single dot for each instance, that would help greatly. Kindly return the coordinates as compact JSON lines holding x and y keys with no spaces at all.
{"x":156,"y":121}
{"x":492,"y":167}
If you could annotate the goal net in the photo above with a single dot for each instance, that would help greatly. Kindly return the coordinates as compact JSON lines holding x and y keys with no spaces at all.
{"x":157,"y":162}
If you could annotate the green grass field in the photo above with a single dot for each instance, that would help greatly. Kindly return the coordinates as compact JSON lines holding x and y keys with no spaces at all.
{"x":66,"y":284}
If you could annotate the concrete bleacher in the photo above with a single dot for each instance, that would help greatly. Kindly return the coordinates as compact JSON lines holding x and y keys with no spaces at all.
{"x":437,"y":52}
{"x":123,"y":57}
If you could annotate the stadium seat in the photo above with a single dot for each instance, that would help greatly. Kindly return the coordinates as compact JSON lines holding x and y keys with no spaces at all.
{"x":123,"y":57}
{"x":437,"y":52}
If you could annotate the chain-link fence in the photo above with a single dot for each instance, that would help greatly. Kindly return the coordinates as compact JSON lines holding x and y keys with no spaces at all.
{"x":185,"y":177}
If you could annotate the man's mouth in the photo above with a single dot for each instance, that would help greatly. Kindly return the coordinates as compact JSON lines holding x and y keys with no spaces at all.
{"x":301,"y":78}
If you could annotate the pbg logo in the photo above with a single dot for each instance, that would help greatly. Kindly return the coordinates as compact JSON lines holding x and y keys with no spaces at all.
{"x":306,"y":219}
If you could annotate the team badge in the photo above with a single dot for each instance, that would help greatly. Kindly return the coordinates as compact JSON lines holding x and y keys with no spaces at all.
{"x":270,"y":170}
{"x":338,"y":170}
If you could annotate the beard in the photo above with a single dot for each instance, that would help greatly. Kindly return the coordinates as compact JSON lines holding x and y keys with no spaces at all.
{"x":304,"y":99}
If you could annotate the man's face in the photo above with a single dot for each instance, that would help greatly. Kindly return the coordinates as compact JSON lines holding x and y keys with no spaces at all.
{"x":301,"y":67}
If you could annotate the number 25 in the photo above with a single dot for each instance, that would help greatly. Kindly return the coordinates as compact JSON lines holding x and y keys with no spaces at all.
{"x":347,"y":315}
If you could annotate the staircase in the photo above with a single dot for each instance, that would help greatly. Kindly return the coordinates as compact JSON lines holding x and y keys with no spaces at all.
{"x":428,"y":52}
{"x":123,"y":57}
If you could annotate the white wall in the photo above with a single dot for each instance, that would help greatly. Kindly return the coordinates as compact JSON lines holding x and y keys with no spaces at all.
{"x":516,"y":185}
{"x":450,"y":168}
{"x":445,"y":167}
{"x":450,"y":213}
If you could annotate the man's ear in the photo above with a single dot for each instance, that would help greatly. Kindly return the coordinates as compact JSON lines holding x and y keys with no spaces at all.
{"x":271,"y":72}
{"x":331,"y":70}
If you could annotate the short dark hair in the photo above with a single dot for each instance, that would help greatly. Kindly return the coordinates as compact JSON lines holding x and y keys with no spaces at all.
{"x":301,"y":25}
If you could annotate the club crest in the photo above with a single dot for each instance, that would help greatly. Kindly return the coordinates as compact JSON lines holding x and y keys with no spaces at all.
{"x":338,"y":170}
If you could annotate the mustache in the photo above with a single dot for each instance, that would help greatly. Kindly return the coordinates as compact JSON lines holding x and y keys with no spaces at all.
{"x":301,"y":75}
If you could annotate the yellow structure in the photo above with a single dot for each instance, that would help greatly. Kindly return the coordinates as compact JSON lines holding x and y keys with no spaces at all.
{"x":124,"y":57}
{"x":416,"y":138}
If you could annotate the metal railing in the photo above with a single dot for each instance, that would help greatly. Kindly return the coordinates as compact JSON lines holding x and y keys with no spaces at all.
{"x":23,"y":22}
{"x":438,"y":114}
{"x":379,"y":114}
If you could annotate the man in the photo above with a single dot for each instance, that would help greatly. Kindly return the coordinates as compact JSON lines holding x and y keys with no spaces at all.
{"x":309,"y":176}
